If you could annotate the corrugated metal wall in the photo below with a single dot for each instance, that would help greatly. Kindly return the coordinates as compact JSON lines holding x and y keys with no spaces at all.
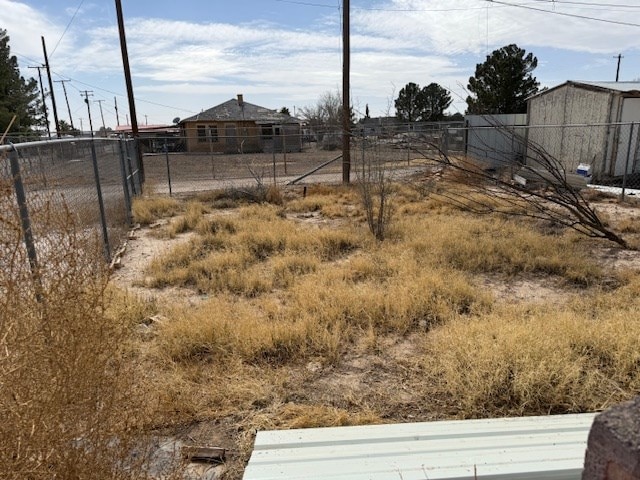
{"x":496,"y":140}
{"x":551,"y":447}
{"x":575,"y":134}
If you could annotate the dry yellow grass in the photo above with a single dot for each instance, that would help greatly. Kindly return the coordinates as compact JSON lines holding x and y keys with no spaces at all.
{"x":148,"y":209}
{"x":531,"y":361}
{"x":316,"y":324}
{"x":73,"y":402}
{"x":244,"y":256}
{"x":494,"y":244}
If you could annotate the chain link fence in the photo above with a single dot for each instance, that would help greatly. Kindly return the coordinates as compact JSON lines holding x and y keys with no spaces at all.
{"x":608,"y":155}
{"x":93,"y":180}
{"x":182,"y":164}
{"x":97,"y":178}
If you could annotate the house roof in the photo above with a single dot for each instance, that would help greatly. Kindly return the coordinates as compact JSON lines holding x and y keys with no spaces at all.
{"x":232,"y":110}
{"x":146,"y":128}
{"x":631,"y":89}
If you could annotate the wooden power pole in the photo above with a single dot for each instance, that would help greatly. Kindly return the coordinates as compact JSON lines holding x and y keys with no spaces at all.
{"x":53,"y":97}
{"x":44,"y":103}
{"x":66,"y":99}
{"x":346,"y":110}
{"x":620,"y":57}
{"x":127,"y":77}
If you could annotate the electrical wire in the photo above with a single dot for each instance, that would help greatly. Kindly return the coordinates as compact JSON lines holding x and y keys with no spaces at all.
{"x":588,"y":4}
{"x":308,"y":4}
{"x":564,"y":14}
{"x":65,"y":30}
{"x":375,"y":9}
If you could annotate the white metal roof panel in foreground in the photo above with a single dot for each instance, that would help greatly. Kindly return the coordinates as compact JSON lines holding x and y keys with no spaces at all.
{"x":505,"y":448}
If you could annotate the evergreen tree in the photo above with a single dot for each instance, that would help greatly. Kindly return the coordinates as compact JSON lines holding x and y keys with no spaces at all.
{"x":435,"y":100}
{"x":503,"y":82}
{"x":422,"y":105}
{"x":18,"y":96}
{"x":407,"y":105}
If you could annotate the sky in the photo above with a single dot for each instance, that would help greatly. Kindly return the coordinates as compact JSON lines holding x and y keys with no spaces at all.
{"x":190,"y":55}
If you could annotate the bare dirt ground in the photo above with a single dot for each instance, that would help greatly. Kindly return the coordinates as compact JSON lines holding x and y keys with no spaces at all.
{"x":384,"y":378}
{"x":197,"y":172}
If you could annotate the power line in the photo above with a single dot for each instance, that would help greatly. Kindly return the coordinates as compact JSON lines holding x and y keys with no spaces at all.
{"x":564,"y":14}
{"x":65,"y":30}
{"x":107,"y":90}
{"x":374,"y":9}
{"x":588,"y":4}
{"x":308,"y":4}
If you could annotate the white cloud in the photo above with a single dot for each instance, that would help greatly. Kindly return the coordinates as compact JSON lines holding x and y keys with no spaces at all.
{"x":197,"y":64}
{"x":25,"y":26}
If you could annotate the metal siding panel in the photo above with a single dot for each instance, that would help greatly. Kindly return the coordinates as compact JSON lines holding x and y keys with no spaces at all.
{"x":527,"y":447}
{"x":495,"y":147}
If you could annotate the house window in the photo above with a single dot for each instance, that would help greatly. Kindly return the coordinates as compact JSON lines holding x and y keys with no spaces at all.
{"x":207,"y":133}
{"x":213,"y":133}
{"x":202,"y":134}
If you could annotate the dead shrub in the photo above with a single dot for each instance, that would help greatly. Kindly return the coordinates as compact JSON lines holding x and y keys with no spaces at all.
{"x":376,"y":193}
{"x":73,"y":407}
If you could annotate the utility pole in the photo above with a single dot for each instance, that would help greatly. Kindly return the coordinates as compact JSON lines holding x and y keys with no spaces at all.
{"x":346,"y":111}
{"x":53,"y":97}
{"x":44,"y":103}
{"x":115,"y":102}
{"x":104,"y":128}
{"x":619,"y":57}
{"x":81,"y":127}
{"x":86,"y":94}
{"x":146,"y":120}
{"x":127,"y":77}
{"x":66,"y":99}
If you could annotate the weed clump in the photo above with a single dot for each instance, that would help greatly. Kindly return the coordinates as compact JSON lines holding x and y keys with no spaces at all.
{"x":73,"y":407}
{"x":147,"y":210}
{"x":524,"y":361}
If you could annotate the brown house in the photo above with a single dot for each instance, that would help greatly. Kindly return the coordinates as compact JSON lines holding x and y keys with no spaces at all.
{"x":236,"y":126}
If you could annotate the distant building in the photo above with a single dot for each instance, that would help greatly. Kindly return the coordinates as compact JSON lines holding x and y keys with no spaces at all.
{"x":236,"y":126}
{"x":589,"y":123}
{"x":379,"y":126}
{"x":153,"y":138}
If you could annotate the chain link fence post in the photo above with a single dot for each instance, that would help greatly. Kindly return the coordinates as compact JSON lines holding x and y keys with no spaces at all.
{"x":27,"y":233}
{"x":166,"y":154}
{"x":125,"y":184}
{"x":103,"y":217}
{"x":136,"y":178}
{"x":124,"y":146}
{"x":626,"y":163}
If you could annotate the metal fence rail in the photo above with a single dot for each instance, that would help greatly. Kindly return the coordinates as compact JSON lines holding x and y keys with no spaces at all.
{"x":94,"y":179}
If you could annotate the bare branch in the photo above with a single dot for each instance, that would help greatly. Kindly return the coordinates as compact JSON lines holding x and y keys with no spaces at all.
{"x":557,"y":199}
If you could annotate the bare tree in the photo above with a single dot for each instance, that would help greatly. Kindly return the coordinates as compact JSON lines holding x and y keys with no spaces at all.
{"x":327,"y":111}
{"x":375,"y":184}
{"x":538,"y":187}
